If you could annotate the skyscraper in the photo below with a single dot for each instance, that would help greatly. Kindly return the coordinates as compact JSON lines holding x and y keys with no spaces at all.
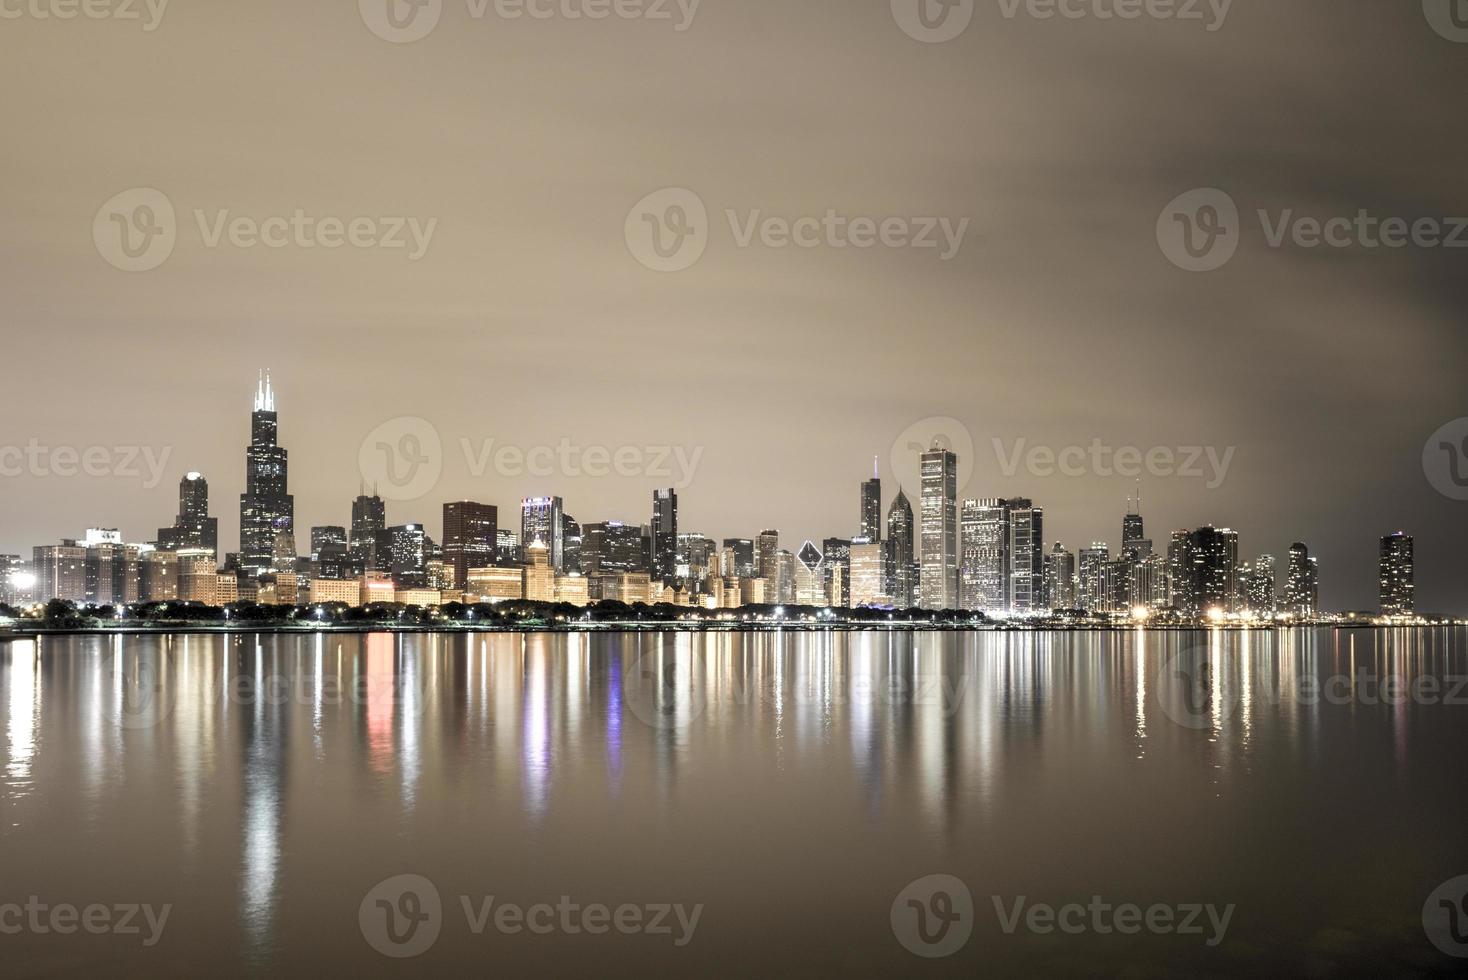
{"x":871,"y":506}
{"x":570,"y":543}
{"x":810,"y":576}
{"x":1398,"y":575}
{"x":746,"y":563}
{"x":1258,"y":585}
{"x":939,"y":583}
{"x":1026,"y":556}
{"x":266,"y":506}
{"x":612,"y":546}
{"x":1209,"y":566}
{"x":193,"y":528}
{"x":836,"y":570}
{"x":868,"y":566}
{"x":902,"y":568}
{"x":1060,"y":576}
{"x":989,"y":563}
{"x":369,"y":527}
{"x":469,"y":533}
{"x":540,"y":520}
{"x":1091,"y":596}
{"x":1302,"y":585}
{"x":408,"y":544}
{"x":766,"y":548}
{"x":665,"y":536}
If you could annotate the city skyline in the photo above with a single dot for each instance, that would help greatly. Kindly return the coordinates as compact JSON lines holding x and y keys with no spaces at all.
{"x":1007,"y":569}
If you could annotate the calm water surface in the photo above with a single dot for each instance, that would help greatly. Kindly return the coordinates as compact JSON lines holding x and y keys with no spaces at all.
{"x":789,"y":785}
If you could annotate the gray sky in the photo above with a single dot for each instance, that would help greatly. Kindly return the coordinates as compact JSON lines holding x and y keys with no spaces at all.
{"x":529,"y":320}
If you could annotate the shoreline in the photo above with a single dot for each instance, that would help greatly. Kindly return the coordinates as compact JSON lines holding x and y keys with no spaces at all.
{"x":12,"y":635}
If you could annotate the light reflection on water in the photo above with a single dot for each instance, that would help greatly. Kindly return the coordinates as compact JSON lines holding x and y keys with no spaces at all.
{"x":264,"y":783}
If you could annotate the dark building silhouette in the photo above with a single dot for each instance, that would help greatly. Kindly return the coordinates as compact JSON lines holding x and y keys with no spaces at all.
{"x":266,"y":507}
{"x":1398,"y":575}
{"x":470,"y":532}
{"x":664,"y":528}
{"x":193,"y":528}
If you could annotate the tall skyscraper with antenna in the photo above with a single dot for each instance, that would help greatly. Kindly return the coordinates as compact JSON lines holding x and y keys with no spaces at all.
{"x":266,"y":507}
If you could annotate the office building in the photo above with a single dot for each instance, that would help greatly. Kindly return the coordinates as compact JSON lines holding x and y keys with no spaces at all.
{"x":871,"y":506}
{"x":746,"y":564}
{"x":938,"y":587}
{"x":902,"y":566}
{"x":664,"y":536}
{"x":470,"y":533}
{"x":193,"y":527}
{"x":407,"y":544}
{"x":540,"y":520}
{"x":1026,"y":555}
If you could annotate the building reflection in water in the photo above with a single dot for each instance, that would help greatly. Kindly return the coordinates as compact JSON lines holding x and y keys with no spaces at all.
{"x":20,"y":663}
{"x":944,"y":735}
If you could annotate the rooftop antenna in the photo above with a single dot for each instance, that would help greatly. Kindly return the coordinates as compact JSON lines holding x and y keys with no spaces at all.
{"x":876,"y":469}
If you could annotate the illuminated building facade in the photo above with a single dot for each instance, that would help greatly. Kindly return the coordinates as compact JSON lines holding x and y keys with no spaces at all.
{"x":1398,"y":575}
{"x":540,"y":519}
{"x":902,"y":566}
{"x":938,"y":587}
{"x":1026,"y":557}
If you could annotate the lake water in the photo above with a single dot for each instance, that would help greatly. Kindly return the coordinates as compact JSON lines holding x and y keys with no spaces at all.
{"x":735,"y":804}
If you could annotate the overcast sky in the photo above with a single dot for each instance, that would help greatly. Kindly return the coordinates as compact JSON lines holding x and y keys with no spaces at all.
{"x":530,"y":318}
